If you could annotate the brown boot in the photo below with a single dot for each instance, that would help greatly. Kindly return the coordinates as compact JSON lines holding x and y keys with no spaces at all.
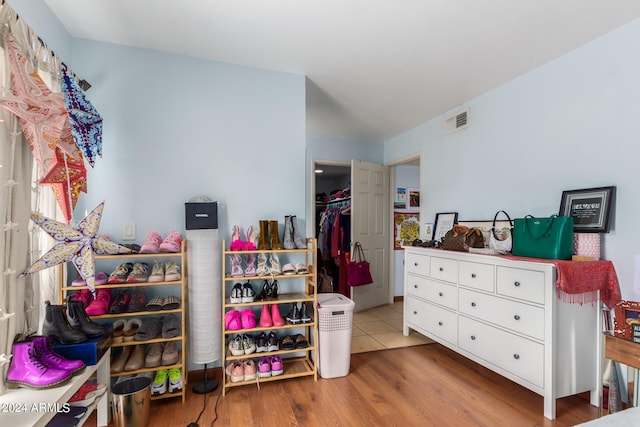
{"x":263,"y":237}
{"x":274,"y":236}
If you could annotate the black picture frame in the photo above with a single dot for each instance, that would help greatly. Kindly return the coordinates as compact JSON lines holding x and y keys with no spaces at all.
{"x":443,"y":223}
{"x":590,"y":208}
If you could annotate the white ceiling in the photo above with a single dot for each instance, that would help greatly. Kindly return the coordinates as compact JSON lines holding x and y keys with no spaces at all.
{"x":375,"y":68}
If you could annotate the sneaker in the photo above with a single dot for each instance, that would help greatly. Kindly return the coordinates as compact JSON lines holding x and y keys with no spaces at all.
{"x":161,"y":382}
{"x":139,"y":273}
{"x":276,"y":366}
{"x":172,"y":243}
{"x":248,"y":344}
{"x":100,"y":304}
{"x":248,"y":294}
{"x":264,"y":367}
{"x":261,"y":343}
{"x":293,"y":317}
{"x":175,"y":380}
{"x":121,"y":303}
{"x":157,"y":273}
{"x":236,"y":294}
{"x":82,"y":397}
{"x":236,"y":346}
{"x":237,"y":372}
{"x":151,"y":243}
{"x":172,"y":272}
{"x":249,"y":370}
{"x":272,"y":342}
{"x":120,"y":274}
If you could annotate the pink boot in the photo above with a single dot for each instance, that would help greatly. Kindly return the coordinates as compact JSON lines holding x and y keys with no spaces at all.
{"x":265,"y":317}
{"x":275,"y":315}
{"x":27,"y":370}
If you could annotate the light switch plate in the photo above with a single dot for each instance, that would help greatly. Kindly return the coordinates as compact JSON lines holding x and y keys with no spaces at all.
{"x":129,"y":231}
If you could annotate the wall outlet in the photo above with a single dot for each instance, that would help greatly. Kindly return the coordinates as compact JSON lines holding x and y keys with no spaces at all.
{"x":129,"y":231}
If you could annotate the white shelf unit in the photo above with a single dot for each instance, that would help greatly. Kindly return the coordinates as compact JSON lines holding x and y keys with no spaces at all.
{"x":302,"y":289}
{"x":29,"y":407}
{"x":181,"y":285}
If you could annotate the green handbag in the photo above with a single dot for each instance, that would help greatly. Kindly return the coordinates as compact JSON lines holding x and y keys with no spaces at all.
{"x":550,"y":238}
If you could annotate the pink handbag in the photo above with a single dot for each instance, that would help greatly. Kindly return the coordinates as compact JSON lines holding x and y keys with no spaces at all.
{"x":358,"y":273}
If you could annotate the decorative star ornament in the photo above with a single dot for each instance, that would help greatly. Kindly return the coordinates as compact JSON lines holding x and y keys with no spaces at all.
{"x":67,"y":177}
{"x":76,"y":244}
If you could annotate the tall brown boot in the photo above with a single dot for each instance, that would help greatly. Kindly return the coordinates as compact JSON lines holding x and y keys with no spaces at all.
{"x":263,"y":241}
{"x":274,"y":236}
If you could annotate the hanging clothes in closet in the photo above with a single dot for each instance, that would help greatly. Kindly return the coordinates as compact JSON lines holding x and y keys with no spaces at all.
{"x":334,"y":239}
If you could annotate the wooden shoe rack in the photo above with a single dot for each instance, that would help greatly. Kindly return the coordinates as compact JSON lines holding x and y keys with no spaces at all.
{"x":108,"y":263}
{"x":293,"y":289}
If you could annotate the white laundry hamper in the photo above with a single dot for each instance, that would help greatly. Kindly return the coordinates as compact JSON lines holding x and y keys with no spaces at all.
{"x":335,"y":317}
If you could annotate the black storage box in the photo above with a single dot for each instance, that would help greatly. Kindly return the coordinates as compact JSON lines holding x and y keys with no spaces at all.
{"x":201,"y":216}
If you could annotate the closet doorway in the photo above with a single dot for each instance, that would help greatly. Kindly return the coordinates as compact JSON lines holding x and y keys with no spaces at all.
{"x":352,"y":204}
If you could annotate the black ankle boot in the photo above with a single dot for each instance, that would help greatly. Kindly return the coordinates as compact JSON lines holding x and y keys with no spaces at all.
{"x":57,"y":326}
{"x":79,"y":319}
{"x":305,"y":313}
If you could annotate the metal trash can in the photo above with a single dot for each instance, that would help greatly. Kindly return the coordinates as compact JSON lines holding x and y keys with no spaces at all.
{"x":131,"y":400}
{"x":335,"y":316}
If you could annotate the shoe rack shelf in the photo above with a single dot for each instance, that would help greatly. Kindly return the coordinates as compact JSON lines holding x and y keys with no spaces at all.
{"x":178,"y":257}
{"x":301,"y":288}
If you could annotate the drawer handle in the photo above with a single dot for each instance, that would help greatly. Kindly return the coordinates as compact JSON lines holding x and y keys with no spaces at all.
{"x":441,"y":269}
{"x":516,"y":356}
{"x":516,"y":284}
{"x":473,"y":275}
{"x":440,"y":294}
{"x":415,"y":312}
{"x":517,"y":317}
{"x":473,"y":304}
{"x":415,"y":263}
{"x":440,"y":323}
{"x":473,"y":337}
{"x":415,"y":286}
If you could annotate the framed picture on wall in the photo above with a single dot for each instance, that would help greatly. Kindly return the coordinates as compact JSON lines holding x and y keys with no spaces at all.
{"x":406,"y":228}
{"x":590,"y":208}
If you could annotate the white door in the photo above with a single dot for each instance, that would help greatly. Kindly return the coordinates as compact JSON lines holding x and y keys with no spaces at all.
{"x":370,"y":226}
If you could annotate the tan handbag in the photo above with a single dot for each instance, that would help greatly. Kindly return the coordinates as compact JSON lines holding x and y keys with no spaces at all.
{"x":461,"y":238}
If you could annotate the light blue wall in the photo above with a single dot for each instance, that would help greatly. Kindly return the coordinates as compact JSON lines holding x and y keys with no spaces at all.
{"x":570,"y":124}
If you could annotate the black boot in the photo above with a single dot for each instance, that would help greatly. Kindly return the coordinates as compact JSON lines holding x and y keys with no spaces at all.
{"x":306,"y":313}
{"x":79,"y":319}
{"x":57,"y":326}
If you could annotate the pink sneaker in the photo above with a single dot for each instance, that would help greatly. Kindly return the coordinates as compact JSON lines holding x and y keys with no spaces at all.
{"x":248,"y":318}
{"x":151,"y":243}
{"x":264,"y":367}
{"x":232,"y":320}
{"x":276,"y":366}
{"x":249,"y":370}
{"x":100,"y":304}
{"x":172,"y":243}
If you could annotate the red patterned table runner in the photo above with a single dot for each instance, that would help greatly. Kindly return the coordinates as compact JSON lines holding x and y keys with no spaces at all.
{"x":580,"y":281}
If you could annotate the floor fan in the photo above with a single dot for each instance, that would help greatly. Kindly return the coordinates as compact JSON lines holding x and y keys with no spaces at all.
{"x":203,"y":257}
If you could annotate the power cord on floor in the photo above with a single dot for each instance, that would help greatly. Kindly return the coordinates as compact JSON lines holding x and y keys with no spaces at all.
{"x":204,"y":406}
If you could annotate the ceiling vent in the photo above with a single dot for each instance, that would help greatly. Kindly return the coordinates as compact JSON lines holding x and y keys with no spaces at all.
{"x":459,"y":120}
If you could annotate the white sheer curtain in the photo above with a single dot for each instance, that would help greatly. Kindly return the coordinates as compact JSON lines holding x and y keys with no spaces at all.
{"x":22,"y":298}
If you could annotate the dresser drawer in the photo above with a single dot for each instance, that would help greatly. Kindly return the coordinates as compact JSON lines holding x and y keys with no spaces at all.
{"x":477,"y":275}
{"x":519,"y":317}
{"x":435,"y":320}
{"x":517,"y":355}
{"x":436,"y":292}
{"x":417,"y":264}
{"x":519,"y":283}
{"x":444,"y":269}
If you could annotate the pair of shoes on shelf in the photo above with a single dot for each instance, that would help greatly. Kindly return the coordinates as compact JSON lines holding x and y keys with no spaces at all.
{"x":101,"y":278}
{"x":242,"y":293}
{"x":241,"y":370}
{"x":161,"y":354}
{"x":131,"y":358}
{"x":290,"y":269}
{"x":242,"y":344}
{"x":299,"y":315}
{"x":154,"y":244}
{"x":128,"y":272}
{"x":249,"y":244}
{"x":159,"y":303}
{"x":236,"y":320}
{"x":265,"y":270}
{"x":271,"y":316}
{"x":165,"y":272}
{"x":291,"y":342}
{"x":167,"y":380}
{"x":270,"y":366}
{"x":269,"y":290}
{"x":265,"y":343}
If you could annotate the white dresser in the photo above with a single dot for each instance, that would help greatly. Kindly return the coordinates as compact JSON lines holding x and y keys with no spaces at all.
{"x":506,"y":316}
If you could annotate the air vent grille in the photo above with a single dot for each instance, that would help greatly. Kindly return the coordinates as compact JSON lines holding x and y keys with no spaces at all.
{"x":459,"y":120}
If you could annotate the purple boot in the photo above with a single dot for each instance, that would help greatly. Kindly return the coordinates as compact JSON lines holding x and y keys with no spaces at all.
{"x":52,"y":359}
{"x":26,"y":368}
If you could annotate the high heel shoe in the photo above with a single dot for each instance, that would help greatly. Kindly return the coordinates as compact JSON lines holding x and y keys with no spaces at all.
{"x":273,"y":289}
{"x":275,"y":264}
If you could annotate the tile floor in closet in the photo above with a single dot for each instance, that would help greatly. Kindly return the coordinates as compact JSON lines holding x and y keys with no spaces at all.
{"x":381,"y":327}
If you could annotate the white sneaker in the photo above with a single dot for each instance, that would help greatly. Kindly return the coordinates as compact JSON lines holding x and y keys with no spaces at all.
{"x":157,"y":272}
{"x":175,"y":380}
{"x":159,"y":385}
